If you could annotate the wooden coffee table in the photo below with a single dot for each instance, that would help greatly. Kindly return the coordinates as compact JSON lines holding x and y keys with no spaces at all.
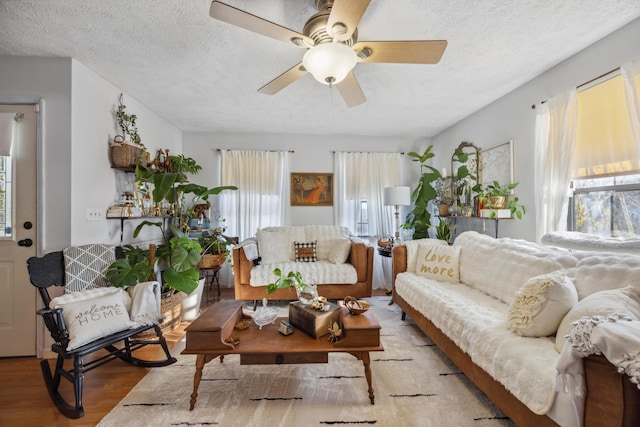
{"x":205,"y":337}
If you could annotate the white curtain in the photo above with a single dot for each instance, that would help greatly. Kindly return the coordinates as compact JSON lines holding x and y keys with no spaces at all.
{"x":631,"y":79}
{"x":362,"y":176}
{"x":555,"y":147}
{"x":263,"y":191}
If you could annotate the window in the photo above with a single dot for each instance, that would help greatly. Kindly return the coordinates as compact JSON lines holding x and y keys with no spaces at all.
{"x":263,"y":180}
{"x":362,"y":226}
{"x":360,"y":179}
{"x":5,"y":197}
{"x":606,"y":167}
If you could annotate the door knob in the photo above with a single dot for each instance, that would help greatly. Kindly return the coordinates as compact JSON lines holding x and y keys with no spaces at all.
{"x":25,"y":242}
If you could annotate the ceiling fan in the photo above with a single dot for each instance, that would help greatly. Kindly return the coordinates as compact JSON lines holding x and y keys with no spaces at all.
{"x":331,"y":39}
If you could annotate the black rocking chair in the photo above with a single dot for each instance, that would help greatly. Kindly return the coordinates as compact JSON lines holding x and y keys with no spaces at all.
{"x":49,"y":271}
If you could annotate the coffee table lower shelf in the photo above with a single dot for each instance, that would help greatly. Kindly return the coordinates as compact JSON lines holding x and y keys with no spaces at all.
{"x":206,"y":339}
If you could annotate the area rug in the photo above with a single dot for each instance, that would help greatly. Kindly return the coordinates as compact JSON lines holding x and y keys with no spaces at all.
{"x":414,"y":382}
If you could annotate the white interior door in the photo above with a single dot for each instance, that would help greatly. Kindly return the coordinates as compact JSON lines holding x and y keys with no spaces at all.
{"x":17,"y":231}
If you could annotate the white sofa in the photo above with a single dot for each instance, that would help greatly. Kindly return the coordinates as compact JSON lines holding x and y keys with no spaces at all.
{"x":342,"y":266}
{"x":476,"y":297}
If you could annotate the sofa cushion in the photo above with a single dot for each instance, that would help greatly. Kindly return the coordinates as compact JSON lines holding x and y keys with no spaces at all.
{"x":275,"y":244}
{"x":620,"y":270}
{"x":325,"y":236}
{"x":541,"y":304}
{"x":476,"y":322}
{"x":439,"y":262}
{"x":305,"y":251}
{"x":623,"y":301}
{"x":322,"y":271}
{"x":500,"y":267}
{"x":341,"y":248}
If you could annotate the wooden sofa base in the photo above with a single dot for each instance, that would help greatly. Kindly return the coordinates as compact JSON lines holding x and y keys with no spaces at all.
{"x":611,"y":399}
{"x":507,"y":402}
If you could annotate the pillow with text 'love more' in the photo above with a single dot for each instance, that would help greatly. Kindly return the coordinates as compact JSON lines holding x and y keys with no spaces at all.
{"x":439,"y":262}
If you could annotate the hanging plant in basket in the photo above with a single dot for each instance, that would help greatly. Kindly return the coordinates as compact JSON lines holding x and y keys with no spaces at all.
{"x":214,"y":249}
{"x":126,"y":153}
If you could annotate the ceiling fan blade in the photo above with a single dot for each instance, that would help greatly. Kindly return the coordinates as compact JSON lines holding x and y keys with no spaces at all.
{"x":242,"y":19}
{"x":350,"y":90}
{"x":283,"y":80}
{"x":404,"y":52}
{"x":348,"y":13}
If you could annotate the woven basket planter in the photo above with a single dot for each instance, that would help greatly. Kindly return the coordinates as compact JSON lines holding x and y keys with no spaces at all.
{"x":211,"y":261}
{"x":171,"y":312}
{"x":125,"y":155}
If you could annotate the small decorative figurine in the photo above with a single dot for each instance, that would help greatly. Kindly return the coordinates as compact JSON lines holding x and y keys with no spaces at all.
{"x":335,"y":332}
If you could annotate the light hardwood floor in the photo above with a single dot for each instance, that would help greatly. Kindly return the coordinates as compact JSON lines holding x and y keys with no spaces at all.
{"x":24,"y":400}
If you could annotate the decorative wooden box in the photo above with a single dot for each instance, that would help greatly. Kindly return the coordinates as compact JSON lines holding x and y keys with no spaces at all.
{"x":313,"y":322}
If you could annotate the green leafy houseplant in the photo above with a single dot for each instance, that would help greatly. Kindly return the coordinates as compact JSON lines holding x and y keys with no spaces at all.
{"x":127,"y":123}
{"x":444,"y":230}
{"x":492,"y":194}
{"x":291,"y":280}
{"x":173,"y":186}
{"x":181,"y":255}
{"x":133,"y":268}
{"x":419,"y":218}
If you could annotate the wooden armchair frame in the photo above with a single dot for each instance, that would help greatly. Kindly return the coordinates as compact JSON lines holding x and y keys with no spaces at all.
{"x":49,"y":271}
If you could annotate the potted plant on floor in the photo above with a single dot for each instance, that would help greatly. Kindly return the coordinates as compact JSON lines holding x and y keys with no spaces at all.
{"x":419,"y":218}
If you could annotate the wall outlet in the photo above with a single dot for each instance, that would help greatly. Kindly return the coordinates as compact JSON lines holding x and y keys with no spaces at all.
{"x":95,"y":214}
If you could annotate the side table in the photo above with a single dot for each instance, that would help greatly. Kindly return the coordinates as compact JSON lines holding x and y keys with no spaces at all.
{"x":211,"y":276}
{"x":386,"y":252}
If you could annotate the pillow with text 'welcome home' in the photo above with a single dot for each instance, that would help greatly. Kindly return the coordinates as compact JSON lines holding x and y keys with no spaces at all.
{"x":439,"y":262}
{"x":94,"y":313}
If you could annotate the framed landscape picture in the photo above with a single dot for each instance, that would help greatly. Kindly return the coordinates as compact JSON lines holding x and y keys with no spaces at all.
{"x":311,"y":189}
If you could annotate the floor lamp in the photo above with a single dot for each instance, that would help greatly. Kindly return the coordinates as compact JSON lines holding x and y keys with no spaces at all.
{"x":397,"y":196}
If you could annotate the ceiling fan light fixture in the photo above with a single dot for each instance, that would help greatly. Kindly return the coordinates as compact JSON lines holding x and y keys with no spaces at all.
{"x":329,"y":63}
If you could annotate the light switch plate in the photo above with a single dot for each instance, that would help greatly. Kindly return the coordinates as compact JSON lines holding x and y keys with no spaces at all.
{"x":95,"y":214}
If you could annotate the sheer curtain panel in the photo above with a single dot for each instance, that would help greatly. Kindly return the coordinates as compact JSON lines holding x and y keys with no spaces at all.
{"x":555,"y":147}
{"x":631,"y":78}
{"x":263,"y":191}
{"x":363,"y":176}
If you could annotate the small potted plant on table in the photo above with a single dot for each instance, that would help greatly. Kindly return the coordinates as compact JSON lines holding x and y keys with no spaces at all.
{"x":497,"y":196}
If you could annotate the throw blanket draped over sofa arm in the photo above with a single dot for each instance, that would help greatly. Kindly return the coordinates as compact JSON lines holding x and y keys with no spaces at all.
{"x":342,"y":265}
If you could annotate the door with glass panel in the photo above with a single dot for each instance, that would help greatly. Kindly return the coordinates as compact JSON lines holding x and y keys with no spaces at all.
{"x":17,"y":229}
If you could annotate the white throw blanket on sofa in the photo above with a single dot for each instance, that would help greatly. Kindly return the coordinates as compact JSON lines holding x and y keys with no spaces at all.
{"x":477,"y":323}
{"x":615,"y":337}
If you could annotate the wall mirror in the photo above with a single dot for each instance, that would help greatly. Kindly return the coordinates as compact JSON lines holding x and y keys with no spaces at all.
{"x":465,"y":169}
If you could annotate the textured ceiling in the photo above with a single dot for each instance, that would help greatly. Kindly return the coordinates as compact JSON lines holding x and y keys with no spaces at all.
{"x":203,"y":75}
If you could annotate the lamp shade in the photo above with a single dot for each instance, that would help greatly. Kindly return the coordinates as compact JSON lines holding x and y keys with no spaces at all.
{"x":329,"y":62}
{"x":397,"y":196}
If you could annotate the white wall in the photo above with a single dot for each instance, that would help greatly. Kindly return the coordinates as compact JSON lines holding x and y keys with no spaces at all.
{"x":312,"y":153}
{"x":511,"y":117}
{"x":26,"y":80}
{"x":94,"y":183}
